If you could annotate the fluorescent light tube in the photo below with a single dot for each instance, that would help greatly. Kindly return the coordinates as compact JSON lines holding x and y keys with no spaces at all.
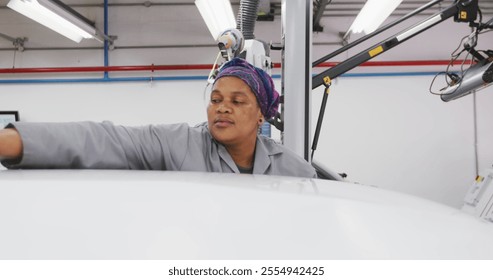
{"x":56,"y":17}
{"x":373,"y":14}
{"x":217,"y":14}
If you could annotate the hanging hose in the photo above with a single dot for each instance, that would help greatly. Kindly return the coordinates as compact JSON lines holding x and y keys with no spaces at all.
{"x":247,"y":15}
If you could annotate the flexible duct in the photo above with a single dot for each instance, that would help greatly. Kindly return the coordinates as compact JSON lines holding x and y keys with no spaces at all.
{"x":247,"y":15}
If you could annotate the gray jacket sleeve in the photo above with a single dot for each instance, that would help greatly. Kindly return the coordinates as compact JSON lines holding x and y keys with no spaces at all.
{"x":99,"y":146}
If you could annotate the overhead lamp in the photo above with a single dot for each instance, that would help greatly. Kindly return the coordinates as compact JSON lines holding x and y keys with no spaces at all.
{"x":217,"y":14}
{"x":372,"y":15}
{"x":56,"y":16}
{"x":477,"y":77}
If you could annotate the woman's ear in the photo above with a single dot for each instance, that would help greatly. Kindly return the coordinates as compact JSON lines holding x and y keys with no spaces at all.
{"x":260,"y":119}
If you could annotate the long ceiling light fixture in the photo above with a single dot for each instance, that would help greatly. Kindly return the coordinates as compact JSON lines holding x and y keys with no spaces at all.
{"x":217,"y":14}
{"x":58,"y":17}
{"x":372,"y":15}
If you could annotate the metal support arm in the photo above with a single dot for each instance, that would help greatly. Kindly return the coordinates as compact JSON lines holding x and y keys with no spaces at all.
{"x":386,"y":45}
{"x":345,"y":66}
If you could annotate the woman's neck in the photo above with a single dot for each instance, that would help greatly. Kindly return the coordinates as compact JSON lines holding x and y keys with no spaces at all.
{"x":242,"y":155}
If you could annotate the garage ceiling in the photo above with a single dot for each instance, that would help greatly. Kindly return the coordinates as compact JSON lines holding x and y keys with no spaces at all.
{"x":163,"y":26}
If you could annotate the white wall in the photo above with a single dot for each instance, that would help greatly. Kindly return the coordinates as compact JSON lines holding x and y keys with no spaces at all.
{"x":385,"y":131}
{"x":128,"y":103}
{"x":391,"y":133}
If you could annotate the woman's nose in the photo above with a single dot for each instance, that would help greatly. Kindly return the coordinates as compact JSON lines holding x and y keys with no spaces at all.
{"x":223,"y":108}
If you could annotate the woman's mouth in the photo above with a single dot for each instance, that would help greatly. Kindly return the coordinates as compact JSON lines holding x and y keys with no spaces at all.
{"x":223,"y":122}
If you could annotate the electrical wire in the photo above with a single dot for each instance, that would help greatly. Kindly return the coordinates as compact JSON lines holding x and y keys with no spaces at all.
{"x":454,"y":56}
{"x":210,"y":79}
{"x":456,"y":79}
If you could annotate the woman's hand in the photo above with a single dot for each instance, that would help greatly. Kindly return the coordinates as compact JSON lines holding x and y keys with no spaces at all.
{"x":10,"y":144}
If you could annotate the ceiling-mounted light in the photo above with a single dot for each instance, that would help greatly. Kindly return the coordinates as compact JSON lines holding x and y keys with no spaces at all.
{"x":56,"y":16}
{"x":373,"y":14}
{"x":476,"y":77}
{"x":217,"y":14}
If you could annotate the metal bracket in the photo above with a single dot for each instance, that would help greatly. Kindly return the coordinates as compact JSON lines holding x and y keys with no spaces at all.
{"x":111,"y":40}
{"x":276,"y":46}
{"x":19,"y":43}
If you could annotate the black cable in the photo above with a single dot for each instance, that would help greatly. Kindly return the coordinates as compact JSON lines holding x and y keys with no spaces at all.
{"x":454,"y":56}
{"x":450,"y":75}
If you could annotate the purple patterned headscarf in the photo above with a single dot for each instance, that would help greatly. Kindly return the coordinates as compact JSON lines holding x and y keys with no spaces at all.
{"x":259,"y":82}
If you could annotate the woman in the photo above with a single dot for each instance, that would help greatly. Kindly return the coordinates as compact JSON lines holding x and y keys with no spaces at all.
{"x":242,"y":97}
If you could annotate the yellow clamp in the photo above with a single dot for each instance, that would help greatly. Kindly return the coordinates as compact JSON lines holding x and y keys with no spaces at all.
{"x":327,"y":81}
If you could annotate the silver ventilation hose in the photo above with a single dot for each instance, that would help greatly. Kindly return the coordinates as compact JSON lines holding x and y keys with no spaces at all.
{"x":247,"y":15}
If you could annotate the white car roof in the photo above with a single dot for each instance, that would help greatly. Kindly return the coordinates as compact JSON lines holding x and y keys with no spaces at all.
{"x":89,"y":214}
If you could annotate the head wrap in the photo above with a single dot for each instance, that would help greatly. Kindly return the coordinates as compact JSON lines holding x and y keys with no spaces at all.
{"x":259,"y":82}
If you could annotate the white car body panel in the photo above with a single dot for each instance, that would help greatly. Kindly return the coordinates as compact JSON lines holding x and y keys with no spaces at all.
{"x":88,"y":214}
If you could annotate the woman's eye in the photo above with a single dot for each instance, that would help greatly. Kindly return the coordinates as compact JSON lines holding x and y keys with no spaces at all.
{"x":214,"y":100}
{"x":237,"y":101}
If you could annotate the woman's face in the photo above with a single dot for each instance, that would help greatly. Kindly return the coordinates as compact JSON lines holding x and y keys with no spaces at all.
{"x":233,"y":112}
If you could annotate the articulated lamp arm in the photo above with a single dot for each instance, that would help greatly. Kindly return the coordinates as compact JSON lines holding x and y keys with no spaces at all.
{"x":330,"y":74}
